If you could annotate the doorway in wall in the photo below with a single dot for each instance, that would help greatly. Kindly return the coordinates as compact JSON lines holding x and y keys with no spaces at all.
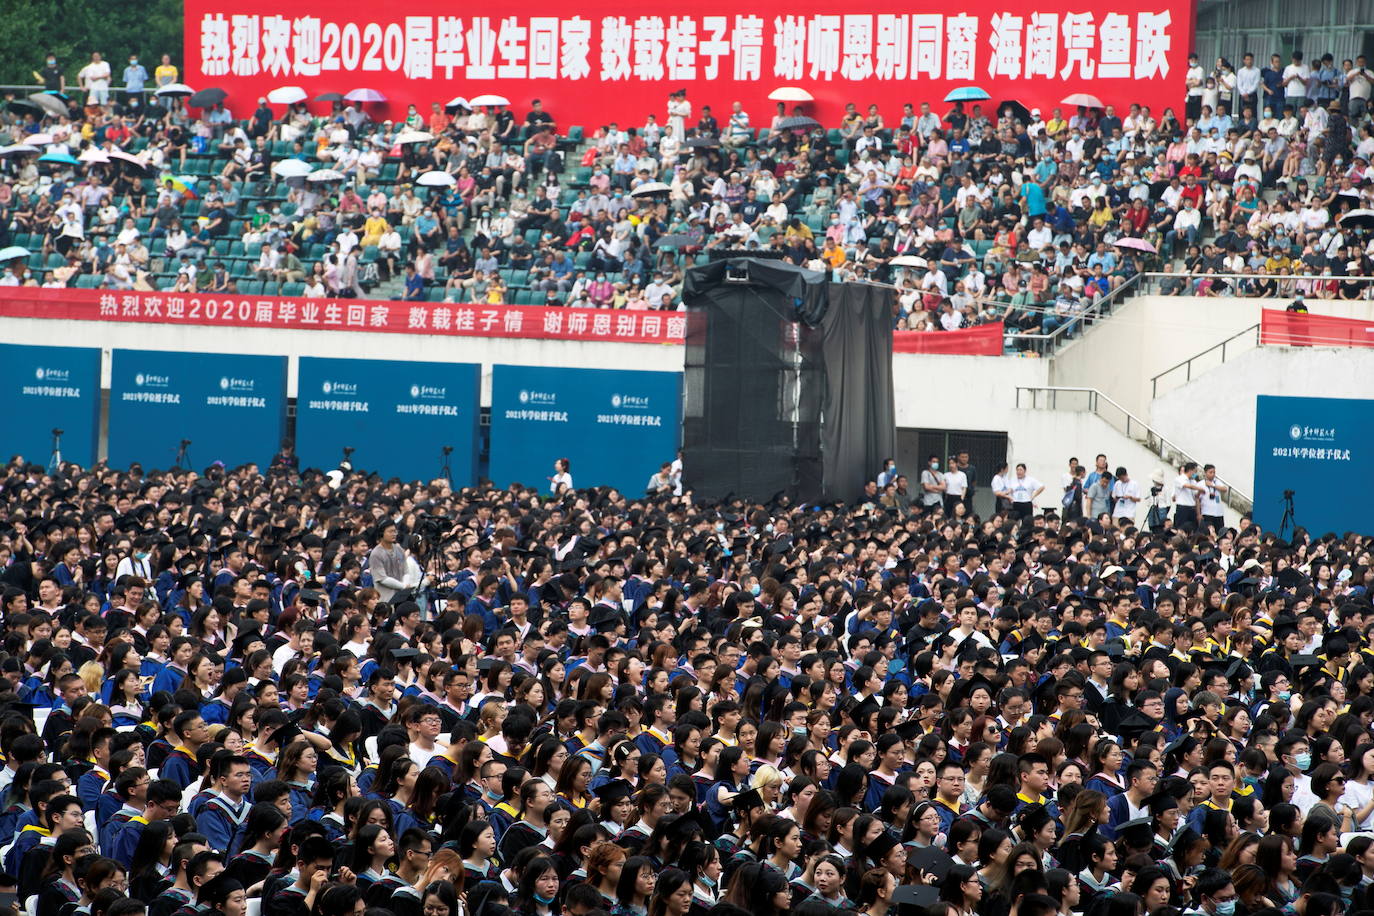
{"x":986,"y":451}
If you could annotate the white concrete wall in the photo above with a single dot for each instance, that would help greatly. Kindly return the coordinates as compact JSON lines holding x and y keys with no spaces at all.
{"x":961,"y":392}
{"x":1147,"y":335}
{"x":1213,"y":417}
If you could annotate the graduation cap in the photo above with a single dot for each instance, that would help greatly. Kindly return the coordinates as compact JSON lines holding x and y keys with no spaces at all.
{"x":909,"y":730}
{"x":684,"y":826}
{"x":1135,"y":725}
{"x":750,"y":798}
{"x":882,"y":844}
{"x":604,"y":615}
{"x":218,"y":889}
{"x":485,"y":663}
{"x":613,"y":791}
{"x":244,"y":639}
{"x":1136,"y":833}
{"x":1299,"y":662}
{"x":1290,"y":578}
{"x":1238,"y":670}
{"x":1183,"y":838}
{"x":402,"y":653}
{"x":910,"y":898}
{"x":309,"y":597}
{"x":931,"y":859}
{"x":1161,"y":802}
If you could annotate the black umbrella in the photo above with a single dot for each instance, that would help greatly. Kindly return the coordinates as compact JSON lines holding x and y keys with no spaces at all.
{"x":27,"y":105}
{"x":1018,"y":111}
{"x":329,"y":97}
{"x":701,"y":142}
{"x":1358,"y":219}
{"x":207,"y":98}
{"x":798,"y":123}
{"x":678,"y":240}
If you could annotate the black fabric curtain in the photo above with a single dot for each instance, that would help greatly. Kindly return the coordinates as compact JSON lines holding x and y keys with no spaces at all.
{"x":858,"y":420}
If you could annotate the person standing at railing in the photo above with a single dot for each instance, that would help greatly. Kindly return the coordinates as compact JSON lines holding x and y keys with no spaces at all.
{"x":1188,"y":489}
{"x":1213,"y":493}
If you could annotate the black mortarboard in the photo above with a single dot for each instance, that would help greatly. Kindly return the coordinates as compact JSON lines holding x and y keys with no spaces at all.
{"x":1183,"y":838}
{"x":1136,"y":833}
{"x":400,"y":653}
{"x":908,"y":731}
{"x":1290,"y":578}
{"x":1300,"y":662}
{"x":603,"y":615}
{"x":1237,"y":670}
{"x":218,"y":889}
{"x":909,"y":898}
{"x":750,"y":798}
{"x":612,"y":792}
{"x":1161,"y":802}
{"x":684,"y":826}
{"x":485,"y":663}
{"x":931,"y":859}
{"x":882,"y":844}
{"x":1135,"y":725}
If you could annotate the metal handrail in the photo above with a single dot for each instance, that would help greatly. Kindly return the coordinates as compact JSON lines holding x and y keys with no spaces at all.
{"x":1135,"y":428}
{"x":1045,"y":344}
{"x":1187,"y":364}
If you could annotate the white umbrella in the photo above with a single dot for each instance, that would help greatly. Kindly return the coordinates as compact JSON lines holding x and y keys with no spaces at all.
{"x":39,"y":139}
{"x":287,"y":95}
{"x":650,"y":187}
{"x":488,"y":99}
{"x":17,"y":149}
{"x":365,"y":95}
{"x":290,"y":168}
{"x":414,"y":136}
{"x":437,"y":180}
{"x":1082,"y":100}
{"x":175,"y":89}
{"x":458,"y":102}
{"x":94,"y":154}
{"x":12,"y":252}
{"x":791,"y":94}
{"x":127,"y":157}
{"x":908,"y":260}
{"x":326,"y":175}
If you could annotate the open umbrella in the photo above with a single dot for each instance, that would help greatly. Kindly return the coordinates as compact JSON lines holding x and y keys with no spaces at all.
{"x":1018,"y":111}
{"x":12,"y":252}
{"x":207,"y":98}
{"x":650,"y":188}
{"x":1135,"y":244}
{"x":436,"y":180}
{"x":1358,"y":219}
{"x":798,"y":123}
{"x":59,"y":158}
{"x":488,"y":99}
{"x":27,"y":105}
{"x":175,"y":90}
{"x":457,"y":102}
{"x":17,"y":149}
{"x":38,"y":139}
{"x":329,"y":97}
{"x":326,"y":175}
{"x":365,"y":95}
{"x":287,"y":95}
{"x":791,"y":94}
{"x":290,"y":168}
{"x":414,"y":136}
{"x":93,"y":154}
{"x":678,"y":240}
{"x":50,"y":103}
{"x":130,"y":158}
{"x":1084,"y":99}
{"x":967,"y":94}
{"x":908,"y":260}
{"x":186,"y":184}
{"x":701,"y":142}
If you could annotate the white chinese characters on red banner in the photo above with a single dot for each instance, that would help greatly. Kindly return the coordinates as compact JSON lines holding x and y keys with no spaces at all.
{"x":343,"y":315}
{"x":420,"y":52}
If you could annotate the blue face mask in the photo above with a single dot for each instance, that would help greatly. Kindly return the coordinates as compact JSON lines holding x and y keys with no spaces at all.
{"x":1226,"y":908}
{"x":1285,"y":695}
{"x":547,"y":900}
{"x":1303,"y":760}
{"x":895,"y":665}
{"x":755,"y":589}
{"x":708,"y":881}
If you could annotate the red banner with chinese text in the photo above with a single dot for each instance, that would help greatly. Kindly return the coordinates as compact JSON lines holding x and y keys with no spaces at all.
{"x":984,"y":340}
{"x":240,"y":311}
{"x":599,"y":61}
{"x":1301,"y":329}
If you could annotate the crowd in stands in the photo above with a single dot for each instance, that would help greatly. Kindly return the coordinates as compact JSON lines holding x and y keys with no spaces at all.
{"x":1015,"y":214}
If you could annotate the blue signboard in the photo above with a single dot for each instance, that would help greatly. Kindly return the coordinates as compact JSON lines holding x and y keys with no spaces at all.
{"x":615,"y":427}
{"x":46,"y":389}
{"x":397,"y":416}
{"x":1321,"y":449}
{"x":232,"y":408}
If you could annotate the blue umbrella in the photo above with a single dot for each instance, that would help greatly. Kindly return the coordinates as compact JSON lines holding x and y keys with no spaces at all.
{"x":967,"y":94}
{"x":63,"y":158}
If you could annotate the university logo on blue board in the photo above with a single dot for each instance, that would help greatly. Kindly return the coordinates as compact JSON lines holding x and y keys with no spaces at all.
{"x":347,"y":388}
{"x":537,"y":397}
{"x":1295,"y":431}
{"x":150,"y":380}
{"x":229,"y":383}
{"x":56,"y":375}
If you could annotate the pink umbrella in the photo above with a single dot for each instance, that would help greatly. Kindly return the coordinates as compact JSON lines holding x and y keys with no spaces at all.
{"x":128,"y":157}
{"x":1085,"y":99}
{"x":365,"y":95}
{"x":1135,"y":244}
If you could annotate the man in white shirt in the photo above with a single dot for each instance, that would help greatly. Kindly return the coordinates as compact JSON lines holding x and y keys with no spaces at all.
{"x":1024,"y":489}
{"x":95,"y":79}
{"x":932,"y":484}
{"x":1359,"y":80}
{"x":1187,"y":491}
{"x":1195,"y":79}
{"x":1213,"y":513}
{"x":1126,"y":493}
{"x":1248,"y":79}
{"x":1295,"y":78}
